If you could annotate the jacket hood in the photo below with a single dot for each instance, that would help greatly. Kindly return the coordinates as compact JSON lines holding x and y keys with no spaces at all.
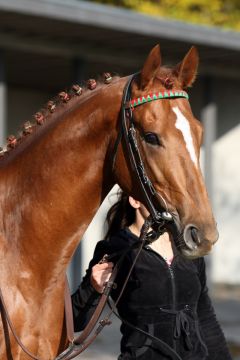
{"x":123,"y":239}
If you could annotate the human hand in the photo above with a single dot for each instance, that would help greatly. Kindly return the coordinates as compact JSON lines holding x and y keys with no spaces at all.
{"x":100,"y":275}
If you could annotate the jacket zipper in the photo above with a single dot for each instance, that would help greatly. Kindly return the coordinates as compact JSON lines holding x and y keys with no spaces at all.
{"x":174,"y":296}
{"x":170,"y":269}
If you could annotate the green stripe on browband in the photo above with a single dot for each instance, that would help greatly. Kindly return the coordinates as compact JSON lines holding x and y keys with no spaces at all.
{"x":156,"y":96}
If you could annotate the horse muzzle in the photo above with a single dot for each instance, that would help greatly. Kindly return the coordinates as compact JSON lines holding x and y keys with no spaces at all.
{"x":197,"y":243}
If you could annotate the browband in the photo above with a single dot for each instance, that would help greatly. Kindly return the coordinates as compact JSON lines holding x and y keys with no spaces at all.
{"x":172,"y":94}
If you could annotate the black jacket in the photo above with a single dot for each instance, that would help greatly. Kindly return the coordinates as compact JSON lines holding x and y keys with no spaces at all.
{"x":171,"y":303}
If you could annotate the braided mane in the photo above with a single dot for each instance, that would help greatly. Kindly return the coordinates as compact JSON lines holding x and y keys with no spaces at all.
{"x":41,"y":117}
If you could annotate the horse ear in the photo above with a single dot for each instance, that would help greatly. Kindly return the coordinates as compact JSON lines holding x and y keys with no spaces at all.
{"x":150,"y":67}
{"x":186,"y":71}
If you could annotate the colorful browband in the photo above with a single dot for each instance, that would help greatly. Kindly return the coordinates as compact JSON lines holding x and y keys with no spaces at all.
{"x":156,"y":96}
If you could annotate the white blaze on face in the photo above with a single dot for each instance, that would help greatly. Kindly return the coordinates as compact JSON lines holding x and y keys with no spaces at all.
{"x":182,"y":124}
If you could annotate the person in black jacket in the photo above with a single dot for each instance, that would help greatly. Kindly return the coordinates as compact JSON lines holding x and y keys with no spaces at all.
{"x":166,"y":295}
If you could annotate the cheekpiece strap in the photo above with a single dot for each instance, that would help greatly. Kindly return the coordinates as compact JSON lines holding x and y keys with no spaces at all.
{"x":172,"y":94}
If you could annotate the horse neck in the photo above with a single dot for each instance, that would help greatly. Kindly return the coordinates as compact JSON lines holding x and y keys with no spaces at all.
{"x":55,"y":185}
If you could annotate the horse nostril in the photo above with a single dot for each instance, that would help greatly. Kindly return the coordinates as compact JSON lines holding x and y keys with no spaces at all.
{"x":191,"y":237}
{"x":194,"y":234}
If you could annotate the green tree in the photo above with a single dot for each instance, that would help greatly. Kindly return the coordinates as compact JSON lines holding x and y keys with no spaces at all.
{"x":223,"y":13}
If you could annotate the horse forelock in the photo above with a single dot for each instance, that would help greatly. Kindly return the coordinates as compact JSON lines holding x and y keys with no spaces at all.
{"x":167,"y":77}
{"x":53,"y":110}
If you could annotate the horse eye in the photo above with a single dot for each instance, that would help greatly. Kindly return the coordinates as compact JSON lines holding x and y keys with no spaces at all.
{"x":152,"y":138}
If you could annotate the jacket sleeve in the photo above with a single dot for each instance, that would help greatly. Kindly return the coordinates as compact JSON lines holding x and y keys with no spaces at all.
{"x":85,"y":299}
{"x":209,"y":326}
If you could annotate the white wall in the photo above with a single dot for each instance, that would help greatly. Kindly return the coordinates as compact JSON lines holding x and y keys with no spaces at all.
{"x":95,"y":231}
{"x":226,"y":253}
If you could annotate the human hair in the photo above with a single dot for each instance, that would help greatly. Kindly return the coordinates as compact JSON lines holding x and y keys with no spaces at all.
{"x":120,"y":215}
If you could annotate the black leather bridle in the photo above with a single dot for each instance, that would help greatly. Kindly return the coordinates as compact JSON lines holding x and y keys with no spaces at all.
{"x":160,"y":215}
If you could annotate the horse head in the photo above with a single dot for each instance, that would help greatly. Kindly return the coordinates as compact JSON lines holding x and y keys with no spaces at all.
{"x":169,"y":138}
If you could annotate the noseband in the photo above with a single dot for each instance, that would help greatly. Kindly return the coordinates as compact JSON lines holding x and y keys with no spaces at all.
{"x":160,"y":216}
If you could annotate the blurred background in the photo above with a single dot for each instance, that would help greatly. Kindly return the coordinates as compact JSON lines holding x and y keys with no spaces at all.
{"x":47,"y":45}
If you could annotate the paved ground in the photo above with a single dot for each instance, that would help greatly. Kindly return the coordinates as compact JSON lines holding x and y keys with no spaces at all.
{"x":106,"y":346}
{"x":228,"y":313}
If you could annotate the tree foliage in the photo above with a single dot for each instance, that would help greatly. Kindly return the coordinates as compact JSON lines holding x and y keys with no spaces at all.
{"x":223,"y":13}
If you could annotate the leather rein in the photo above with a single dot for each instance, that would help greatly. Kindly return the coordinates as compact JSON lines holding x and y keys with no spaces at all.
{"x":157,"y":221}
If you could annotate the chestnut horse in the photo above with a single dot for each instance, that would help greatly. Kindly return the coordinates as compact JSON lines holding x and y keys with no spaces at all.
{"x":53,"y":180}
